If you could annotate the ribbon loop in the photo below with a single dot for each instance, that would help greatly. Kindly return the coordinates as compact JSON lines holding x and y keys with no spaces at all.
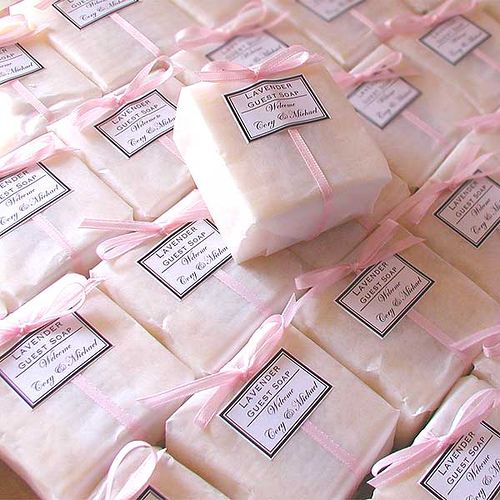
{"x":15,"y":28}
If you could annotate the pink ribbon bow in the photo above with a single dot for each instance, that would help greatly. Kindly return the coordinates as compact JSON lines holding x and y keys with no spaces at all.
{"x":427,"y":445}
{"x":261,"y":346}
{"x":376,"y":248}
{"x":286,"y":59}
{"x":482,"y":123}
{"x":30,"y":154}
{"x":409,"y":23}
{"x":194,"y":209}
{"x":249,"y":20}
{"x":385,"y":69}
{"x":14,"y":29}
{"x":69,"y":300}
{"x":421,"y":202}
{"x":92,"y":110}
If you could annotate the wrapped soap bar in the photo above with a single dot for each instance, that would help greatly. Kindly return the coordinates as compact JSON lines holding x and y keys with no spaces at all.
{"x":423,"y":6}
{"x":458,"y":43}
{"x":407,"y":325}
{"x":493,"y":8}
{"x":458,"y":210}
{"x":348,"y":29}
{"x":212,"y":12}
{"x":487,"y":368}
{"x":37,"y":85}
{"x":110,"y":40}
{"x":71,"y":372}
{"x":456,"y":456}
{"x":45,"y":192}
{"x":140,"y":470}
{"x":249,"y":37}
{"x":302,"y":426}
{"x":125,"y":138}
{"x":176,"y":277}
{"x":288,"y":152}
{"x":411,"y":113}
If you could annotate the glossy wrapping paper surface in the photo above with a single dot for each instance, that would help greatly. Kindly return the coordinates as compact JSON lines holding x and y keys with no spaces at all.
{"x":423,"y":6}
{"x":351,"y":415}
{"x":408,"y":486}
{"x":151,"y":181}
{"x":271,"y":199}
{"x":411,"y":153}
{"x":64,"y":447}
{"x":211,"y":12}
{"x":408,"y":367}
{"x":31,"y":259}
{"x":487,"y":369}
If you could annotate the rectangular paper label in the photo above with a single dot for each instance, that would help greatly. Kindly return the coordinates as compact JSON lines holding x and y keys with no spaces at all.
{"x":43,"y":361}
{"x":82,"y":13}
{"x":473,"y":210}
{"x":247,"y":50}
{"x":186,"y":258}
{"x":381,"y":102}
{"x":16,"y":62}
{"x":269,"y":106}
{"x":381,"y":296}
{"x":26,"y":193}
{"x":275,"y":403}
{"x":139,"y":123}
{"x":328,"y":10}
{"x":151,"y":494}
{"x":455,"y":39}
{"x":469,"y":469}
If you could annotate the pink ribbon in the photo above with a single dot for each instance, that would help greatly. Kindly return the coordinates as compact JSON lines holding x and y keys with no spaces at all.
{"x":261,"y":346}
{"x":427,"y":445}
{"x":409,"y":23}
{"x":69,"y":300}
{"x":489,"y":339}
{"x":14,"y":29}
{"x":194,"y":210}
{"x":91,"y":111}
{"x":30,"y":154}
{"x":482,"y":123}
{"x":249,"y":20}
{"x":284,"y":60}
{"x":376,"y":248}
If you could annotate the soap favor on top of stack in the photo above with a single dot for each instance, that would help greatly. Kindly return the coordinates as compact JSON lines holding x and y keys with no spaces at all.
{"x":284,"y":146}
{"x":125,"y":138}
{"x":37,"y":85}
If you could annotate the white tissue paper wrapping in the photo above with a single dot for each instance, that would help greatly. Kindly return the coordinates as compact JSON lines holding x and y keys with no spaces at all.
{"x":271,"y":199}
{"x":412,"y":153}
{"x":334,"y":26}
{"x":209,"y":325}
{"x":58,"y":86}
{"x":423,"y":6}
{"x":64,"y":446}
{"x":30,"y":258}
{"x":151,"y":180}
{"x":351,"y":415}
{"x":103,"y":50}
{"x":408,"y":367}
{"x":480,"y":264}
{"x":210,"y":12}
{"x":479,"y":81}
{"x":487,"y":369}
{"x":408,"y":485}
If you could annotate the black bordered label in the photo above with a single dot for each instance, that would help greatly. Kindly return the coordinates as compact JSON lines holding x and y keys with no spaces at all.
{"x":381,"y":295}
{"x":247,"y":50}
{"x":26,"y":193}
{"x":186,"y":258}
{"x":151,"y":494}
{"x":16,"y":62}
{"x":83,"y":13}
{"x":139,"y":123}
{"x":276,"y":402}
{"x":473,"y":210}
{"x":455,"y":39}
{"x":329,"y":10}
{"x":469,"y":469}
{"x":268,"y":106}
{"x":381,"y":102}
{"x":45,"y":360}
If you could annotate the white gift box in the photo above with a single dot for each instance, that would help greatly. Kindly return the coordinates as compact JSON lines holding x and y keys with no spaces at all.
{"x":44,"y":204}
{"x":412,"y":118}
{"x":397,"y":326}
{"x":351,"y":421}
{"x":69,"y":391}
{"x":110,"y":43}
{"x":274,"y":195}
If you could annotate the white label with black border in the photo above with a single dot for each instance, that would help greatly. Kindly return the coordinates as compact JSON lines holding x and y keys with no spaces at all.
{"x":16,"y":62}
{"x":329,"y":10}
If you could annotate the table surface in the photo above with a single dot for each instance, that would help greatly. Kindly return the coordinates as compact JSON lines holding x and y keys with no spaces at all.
{"x":12,"y":487}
